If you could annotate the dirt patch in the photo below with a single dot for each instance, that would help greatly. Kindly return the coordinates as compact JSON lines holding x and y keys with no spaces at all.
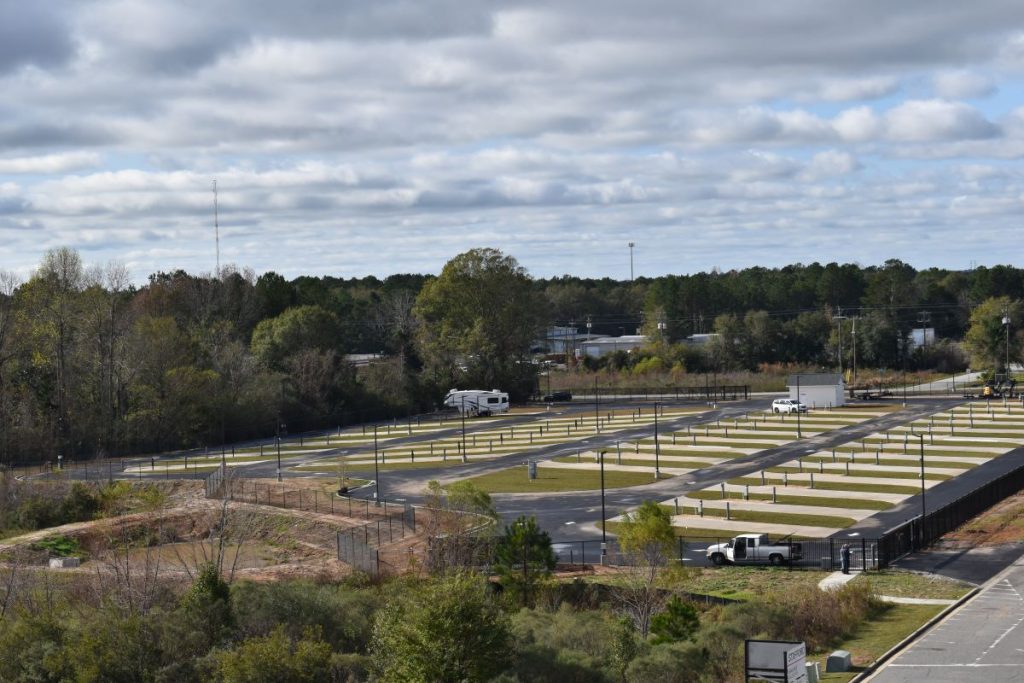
{"x":1001,"y":524}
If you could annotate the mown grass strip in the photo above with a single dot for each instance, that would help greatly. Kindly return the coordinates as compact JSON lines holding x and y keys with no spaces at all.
{"x":767,"y":517}
{"x":832,"y":486}
{"x":555,"y":479}
{"x":858,"y":471}
{"x":784,"y":499}
{"x":869,"y":459}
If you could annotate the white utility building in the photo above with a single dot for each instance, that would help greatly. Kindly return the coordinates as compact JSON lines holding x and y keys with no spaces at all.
{"x":818,"y":390}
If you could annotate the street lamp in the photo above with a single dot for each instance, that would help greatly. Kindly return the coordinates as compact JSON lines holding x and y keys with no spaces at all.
{"x":376,"y":470}
{"x":839,"y":319}
{"x":799,"y":433}
{"x":1006,"y":324}
{"x":657,"y":445}
{"x":604,"y":534}
{"x":921,"y":439}
{"x":631,"y":245}
{"x":464,"y":458}
{"x":279,"y":445}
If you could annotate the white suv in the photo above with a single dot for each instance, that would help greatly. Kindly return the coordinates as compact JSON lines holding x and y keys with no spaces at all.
{"x":788,"y":405}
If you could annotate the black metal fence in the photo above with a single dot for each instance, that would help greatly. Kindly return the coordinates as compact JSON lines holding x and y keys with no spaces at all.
{"x":730,"y":392}
{"x":922,"y":532}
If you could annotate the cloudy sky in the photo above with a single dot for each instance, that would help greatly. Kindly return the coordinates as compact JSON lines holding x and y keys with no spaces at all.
{"x":354,"y":137}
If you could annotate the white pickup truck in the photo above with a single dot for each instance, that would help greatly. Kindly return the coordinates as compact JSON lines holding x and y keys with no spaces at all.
{"x":754,"y":549}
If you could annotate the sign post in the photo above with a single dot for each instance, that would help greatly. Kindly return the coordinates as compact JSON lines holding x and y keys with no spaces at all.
{"x":776,"y":660}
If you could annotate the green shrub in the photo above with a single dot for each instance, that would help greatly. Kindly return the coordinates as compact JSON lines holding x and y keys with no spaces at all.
{"x":61,"y":546}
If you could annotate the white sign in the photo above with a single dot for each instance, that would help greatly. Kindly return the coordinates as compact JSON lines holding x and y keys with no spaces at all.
{"x":796,"y":664}
{"x":776,"y":660}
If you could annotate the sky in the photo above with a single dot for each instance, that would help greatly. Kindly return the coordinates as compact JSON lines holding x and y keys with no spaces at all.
{"x":370,"y":138}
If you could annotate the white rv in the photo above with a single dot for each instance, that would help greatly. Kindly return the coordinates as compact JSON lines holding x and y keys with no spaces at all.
{"x":477,"y":401}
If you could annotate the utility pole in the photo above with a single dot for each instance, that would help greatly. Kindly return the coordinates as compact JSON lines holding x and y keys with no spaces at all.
{"x":657,"y":445}
{"x":631,"y":245}
{"x":376,"y":470}
{"x":839,"y":319}
{"x":604,"y":534}
{"x":1006,"y":324}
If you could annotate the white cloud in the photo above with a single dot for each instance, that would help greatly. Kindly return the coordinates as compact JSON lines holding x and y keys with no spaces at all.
{"x":928,"y":120}
{"x":386,"y":136}
{"x":49,"y":163}
{"x":957,"y":85}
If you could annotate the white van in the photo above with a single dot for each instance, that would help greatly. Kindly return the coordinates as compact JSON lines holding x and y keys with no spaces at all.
{"x":477,"y":401}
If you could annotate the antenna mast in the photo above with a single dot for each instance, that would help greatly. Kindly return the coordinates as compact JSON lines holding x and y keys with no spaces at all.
{"x":216,"y":225}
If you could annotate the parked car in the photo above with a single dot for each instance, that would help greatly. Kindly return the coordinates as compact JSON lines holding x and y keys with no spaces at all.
{"x":788,"y":405}
{"x":558,"y":396}
{"x":754,"y":549}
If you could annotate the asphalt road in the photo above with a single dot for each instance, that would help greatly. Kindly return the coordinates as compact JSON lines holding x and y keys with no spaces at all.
{"x":983,"y":640}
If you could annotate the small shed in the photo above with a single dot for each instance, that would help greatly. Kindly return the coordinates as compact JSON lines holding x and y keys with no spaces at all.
{"x":818,"y":390}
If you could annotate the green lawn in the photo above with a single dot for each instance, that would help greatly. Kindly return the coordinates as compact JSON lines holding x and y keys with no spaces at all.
{"x":905,"y":584}
{"x":877,"y":636}
{"x":746,"y":583}
{"x":776,"y":517}
{"x":889,"y":461}
{"x":860,"y":471}
{"x":834,"y":485}
{"x":782,"y":499}
{"x":553,"y":479}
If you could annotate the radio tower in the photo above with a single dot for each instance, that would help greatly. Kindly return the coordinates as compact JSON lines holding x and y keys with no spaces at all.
{"x":216,"y":225}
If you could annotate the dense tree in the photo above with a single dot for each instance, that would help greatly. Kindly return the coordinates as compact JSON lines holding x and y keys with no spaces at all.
{"x":443,"y":630}
{"x":477,"y":321}
{"x":987,"y":337}
{"x":524,"y":558}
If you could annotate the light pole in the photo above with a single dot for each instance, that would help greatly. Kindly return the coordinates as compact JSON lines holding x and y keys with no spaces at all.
{"x":839,"y":319}
{"x":376,"y":470}
{"x":1006,"y":324}
{"x":657,"y":445}
{"x":279,"y":445}
{"x":597,"y":408}
{"x":799,"y":433}
{"x":604,"y":534}
{"x":463,"y":411}
{"x":631,"y":245}
{"x":921,"y":439}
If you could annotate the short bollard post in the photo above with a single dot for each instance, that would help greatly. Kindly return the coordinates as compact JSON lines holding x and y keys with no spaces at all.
{"x":677,"y":505}
{"x":774,"y":495}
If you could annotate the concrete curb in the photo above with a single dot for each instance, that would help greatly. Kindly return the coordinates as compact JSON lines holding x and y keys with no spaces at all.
{"x":872,"y":668}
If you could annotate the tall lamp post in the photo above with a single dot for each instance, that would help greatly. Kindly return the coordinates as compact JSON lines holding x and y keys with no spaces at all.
{"x":921,"y":439}
{"x":604,"y":533}
{"x":631,"y":245}
{"x":1006,"y":324}
{"x":463,"y":411}
{"x":279,"y":445}
{"x":657,"y":445}
{"x":376,"y":470}
{"x":799,"y":433}
{"x":839,"y":319}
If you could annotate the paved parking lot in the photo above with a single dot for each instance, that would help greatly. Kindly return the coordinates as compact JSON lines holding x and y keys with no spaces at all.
{"x":981,"y":641}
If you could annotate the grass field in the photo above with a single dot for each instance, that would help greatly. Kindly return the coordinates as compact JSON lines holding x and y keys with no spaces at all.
{"x":877,"y":636}
{"x":814,"y":501}
{"x":904,"y":584}
{"x":553,"y":480}
{"x":833,"y":486}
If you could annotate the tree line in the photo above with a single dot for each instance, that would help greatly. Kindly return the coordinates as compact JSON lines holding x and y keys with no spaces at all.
{"x":92,"y":365}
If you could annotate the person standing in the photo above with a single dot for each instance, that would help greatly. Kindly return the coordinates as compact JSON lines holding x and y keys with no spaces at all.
{"x":844,"y":558}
